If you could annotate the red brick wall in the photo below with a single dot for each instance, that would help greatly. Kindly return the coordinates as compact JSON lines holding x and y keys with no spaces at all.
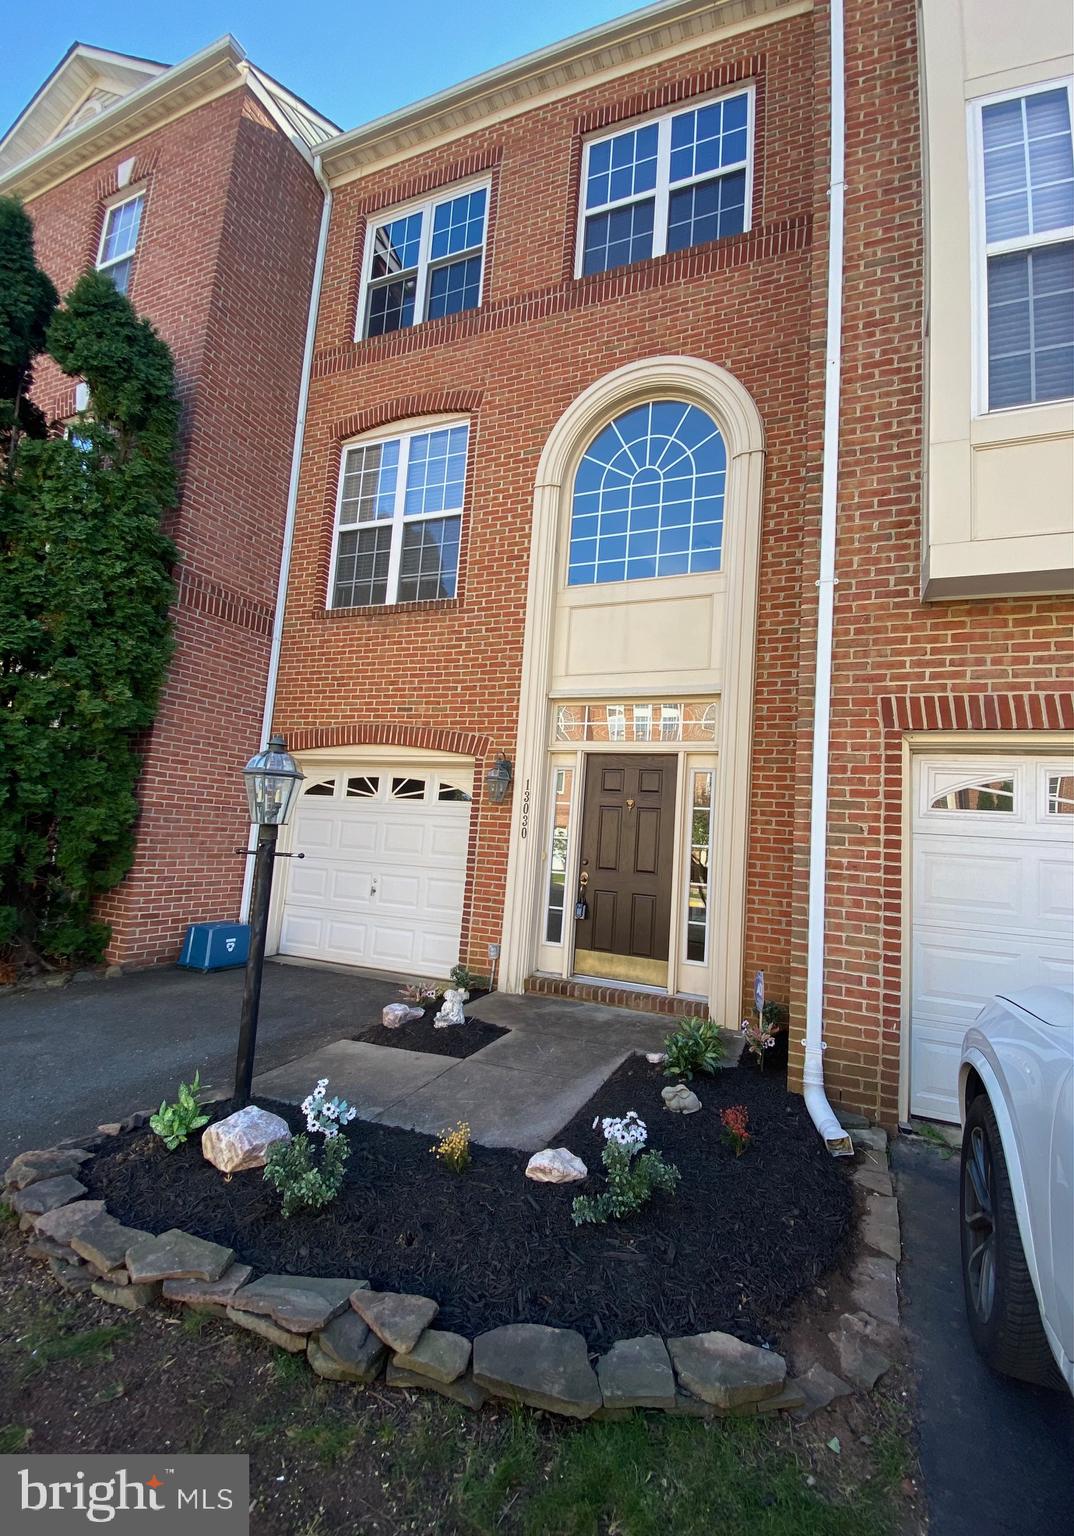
{"x":899,"y":664}
{"x":223,"y":270}
{"x":514,"y":365}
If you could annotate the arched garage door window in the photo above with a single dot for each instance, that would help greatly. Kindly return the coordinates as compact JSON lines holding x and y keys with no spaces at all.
{"x":648,"y":497}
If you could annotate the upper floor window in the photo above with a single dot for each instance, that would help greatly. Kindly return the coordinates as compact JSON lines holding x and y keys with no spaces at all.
{"x":666,"y":184}
{"x":399,"y":518}
{"x":424,"y":262}
{"x":648,"y":497}
{"x":1026,"y":218}
{"x":118,"y":239}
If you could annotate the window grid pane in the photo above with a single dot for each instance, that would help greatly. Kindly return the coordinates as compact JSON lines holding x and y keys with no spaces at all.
{"x":1028,"y":165}
{"x":121,"y":230}
{"x":369,"y":482}
{"x":709,"y":210}
{"x":458,"y":225}
{"x":617,"y":238}
{"x":562,"y":786}
{"x":710,"y":138}
{"x":436,"y":471}
{"x":1031,"y":325}
{"x":391,"y":306}
{"x":430,"y":559}
{"x":454,"y":287}
{"x":694,"y":720}
{"x":648,"y":497}
{"x":362,"y":567}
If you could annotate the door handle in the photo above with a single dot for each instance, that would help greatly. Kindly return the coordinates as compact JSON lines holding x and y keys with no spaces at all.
{"x":583,"y":878}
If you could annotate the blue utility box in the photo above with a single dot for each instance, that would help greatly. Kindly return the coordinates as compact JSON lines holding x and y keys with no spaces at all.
{"x":215,"y":946}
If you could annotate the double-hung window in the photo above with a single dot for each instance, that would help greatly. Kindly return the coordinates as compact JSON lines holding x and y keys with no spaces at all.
{"x":665,"y":184}
{"x":118,"y":240}
{"x":399,"y":518}
{"x":1025,"y":221}
{"x":425,"y":262}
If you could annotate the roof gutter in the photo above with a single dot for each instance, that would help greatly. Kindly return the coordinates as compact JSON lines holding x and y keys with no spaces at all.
{"x":292,"y":497}
{"x":824,"y":1118}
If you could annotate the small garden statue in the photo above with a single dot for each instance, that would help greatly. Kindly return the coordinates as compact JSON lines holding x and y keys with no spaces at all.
{"x":451,"y":1008}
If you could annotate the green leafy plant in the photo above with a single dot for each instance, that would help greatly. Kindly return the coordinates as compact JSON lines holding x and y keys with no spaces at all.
{"x":633,"y":1175}
{"x":302,"y":1180}
{"x":173,"y":1123}
{"x":464,"y":978}
{"x":695,"y":1046}
{"x":775,"y":1015}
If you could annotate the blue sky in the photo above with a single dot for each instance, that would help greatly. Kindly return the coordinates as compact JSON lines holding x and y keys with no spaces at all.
{"x":352,"y":59}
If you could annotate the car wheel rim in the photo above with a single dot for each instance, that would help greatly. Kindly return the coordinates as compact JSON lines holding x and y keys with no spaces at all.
{"x":978,"y":1209}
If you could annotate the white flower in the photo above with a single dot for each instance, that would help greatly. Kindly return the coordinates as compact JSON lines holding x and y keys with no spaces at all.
{"x":629,"y":1132}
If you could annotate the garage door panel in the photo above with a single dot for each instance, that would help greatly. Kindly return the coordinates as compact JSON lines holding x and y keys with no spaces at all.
{"x":381,"y":883}
{"x":992,"y":911}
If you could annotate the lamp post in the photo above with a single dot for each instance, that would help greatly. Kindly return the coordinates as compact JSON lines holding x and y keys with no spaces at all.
{"x":272,"y":779}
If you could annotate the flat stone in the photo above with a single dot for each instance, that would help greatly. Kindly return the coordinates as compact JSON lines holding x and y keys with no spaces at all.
{"x":46,"y":1248}
{"x":344,"y":1338}
{"x":45,"y":1195}
{"x":204,"y":1293}
{"x":880,"y":1229}
{"x":62,"y":1224}
{"x":176,"y":1255}
{"x":792,"y":1398}
{"x":690,"y":1407}
{"x":861,"y":1361}
{"x":636,"y":1373}
{"x":438,"y":1354}
{"x":820,"y":1387}
{"x":875,"y":1289}
{"x":850,"y":1120}
{"x":680,"y":1099}
{"x":75,"y":1278}
{"x":243,"y":1140}
{"x":399,"y":1320}
{"x":110,"y":1128}
{"x":364,"y":1366}
{"x":395,"y":1014}
{"x":298,"y":1303}
{"x":720,"y":1369}
{"x":294,"y":1343}
{"x":556,"y":1165}
{"x":31,"y":1167}
{"x":104,"y":1242}
{"x":135,"y":1298}
{"x":876,"y":1179}
{"x":544,"y":1367}
{"x":463,"y":1390}
{"x":871,"y":1138}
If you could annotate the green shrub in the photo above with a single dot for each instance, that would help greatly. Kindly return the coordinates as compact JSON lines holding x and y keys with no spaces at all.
{"x":462,"y":976}
{"x":294,"y":1173}
{"x":696,"y":1046}
{"x":633,"y":1175}
{"x":173,"y":1123}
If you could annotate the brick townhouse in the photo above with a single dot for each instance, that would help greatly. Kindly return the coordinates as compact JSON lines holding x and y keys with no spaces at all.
{"x":194,"y":187}
{"x":559,"y":517}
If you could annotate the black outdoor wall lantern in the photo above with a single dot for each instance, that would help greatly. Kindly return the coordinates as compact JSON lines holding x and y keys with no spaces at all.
{"x":498,"y":780}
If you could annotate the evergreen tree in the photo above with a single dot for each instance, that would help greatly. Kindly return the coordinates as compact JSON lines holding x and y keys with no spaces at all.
{"x":27,"y":300}
{"x":85,"y":589}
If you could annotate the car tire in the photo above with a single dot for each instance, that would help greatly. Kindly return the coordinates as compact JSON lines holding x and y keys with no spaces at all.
{"x":1001,"y":1304}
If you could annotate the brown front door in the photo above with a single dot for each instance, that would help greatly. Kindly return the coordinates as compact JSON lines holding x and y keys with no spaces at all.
{"x":628,"y":827}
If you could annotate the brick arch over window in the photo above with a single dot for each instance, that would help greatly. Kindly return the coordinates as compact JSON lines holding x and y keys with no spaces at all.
{"x":698,"y":382}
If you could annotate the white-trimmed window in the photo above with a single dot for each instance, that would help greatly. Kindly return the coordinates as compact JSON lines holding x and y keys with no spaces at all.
{"x":399,"y":517}
{"x":1025,"y":238}
{"x":119,"y":238}
{"x":667,"y":183}
{"x":424,"y":261}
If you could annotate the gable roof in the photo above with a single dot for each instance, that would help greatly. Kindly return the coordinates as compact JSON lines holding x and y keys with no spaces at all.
{"x":94,"y":102}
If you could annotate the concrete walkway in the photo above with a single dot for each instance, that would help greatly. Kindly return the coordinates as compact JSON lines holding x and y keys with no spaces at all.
{"x":517,"y":1092}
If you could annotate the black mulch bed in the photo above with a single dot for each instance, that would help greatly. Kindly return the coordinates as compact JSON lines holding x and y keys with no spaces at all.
{"x":459,"y":1040}
{"x":731,"y":1249}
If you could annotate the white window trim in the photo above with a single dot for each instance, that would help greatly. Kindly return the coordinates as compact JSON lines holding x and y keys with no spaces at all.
{"x":981,"y":250}
{"x":661,"y":194}
{"x":426,"y":265}
{"x":399,"y":519}
{"x":111,"y":209}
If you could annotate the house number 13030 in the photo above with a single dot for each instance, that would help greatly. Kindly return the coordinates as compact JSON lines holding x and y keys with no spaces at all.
{"x":525,"y":826}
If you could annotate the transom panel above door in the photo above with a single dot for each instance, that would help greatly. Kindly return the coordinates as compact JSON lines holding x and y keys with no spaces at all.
{"x":626,"y":862}
{"x":382,"y":879}
{"x":992,"y":901}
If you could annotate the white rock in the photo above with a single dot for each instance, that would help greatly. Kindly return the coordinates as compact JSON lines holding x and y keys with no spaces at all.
{"x":555,"y":1165}
{"x":680,"y":1099}
{"x":243,"y":1139}
{"x":656,"y":1058}
{"x":395,"y":1014}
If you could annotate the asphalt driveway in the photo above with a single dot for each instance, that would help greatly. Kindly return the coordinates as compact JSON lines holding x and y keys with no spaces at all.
{"x":98,"y":1050}
{"x":997,"y":1457}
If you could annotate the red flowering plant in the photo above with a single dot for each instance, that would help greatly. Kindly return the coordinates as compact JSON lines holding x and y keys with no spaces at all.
{"x":736,"y":1130}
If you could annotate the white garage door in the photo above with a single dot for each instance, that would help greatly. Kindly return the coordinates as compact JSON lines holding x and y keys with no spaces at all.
{"x":992,"y":901}
{"x":382,"y":880}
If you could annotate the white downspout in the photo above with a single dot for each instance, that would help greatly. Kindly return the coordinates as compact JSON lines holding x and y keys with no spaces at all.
{"x":824,"y":1117}
{"x":292,"y":497}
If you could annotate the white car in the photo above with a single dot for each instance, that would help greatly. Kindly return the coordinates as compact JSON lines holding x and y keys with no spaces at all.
{"x":1016,"y":1093}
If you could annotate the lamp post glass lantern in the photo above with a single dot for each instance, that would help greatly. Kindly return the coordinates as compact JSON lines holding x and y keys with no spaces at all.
{"x":498,"y":780}
{"x":272,"y":778}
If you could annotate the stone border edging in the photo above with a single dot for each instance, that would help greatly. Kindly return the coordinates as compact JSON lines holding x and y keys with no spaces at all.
{"x":350,"y":1333}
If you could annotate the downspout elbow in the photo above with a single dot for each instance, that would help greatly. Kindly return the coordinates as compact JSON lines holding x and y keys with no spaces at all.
{"x":833,"y":1135}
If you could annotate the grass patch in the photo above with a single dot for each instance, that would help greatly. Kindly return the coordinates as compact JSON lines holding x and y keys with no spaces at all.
{"x":934,"y":1138}
{"x":330,"y":1443}
{"x":289,"y":1370}
{"x":8,"y":1214}
{"x":53,"y":1337}
{"x":13,"y":1438}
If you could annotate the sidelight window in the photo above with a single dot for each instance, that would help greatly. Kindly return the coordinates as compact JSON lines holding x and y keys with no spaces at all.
{"x":697,"y":901}
{"x":562,"y":785}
